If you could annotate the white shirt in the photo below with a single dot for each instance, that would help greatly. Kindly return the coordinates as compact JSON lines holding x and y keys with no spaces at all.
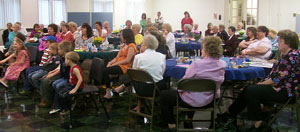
{"x":96,"y":34}
{"x":159,"y":20}
{"x":171,"y":44}
{"x":76,"y":34}
{"x":23,"y":30}
{"x":151,"y":61}
{"x":263,"y":42}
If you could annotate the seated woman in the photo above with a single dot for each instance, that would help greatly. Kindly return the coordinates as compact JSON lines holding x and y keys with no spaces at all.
{"x":100,"y":32}
{"x":240,"y":30}
{"x":209,"y":31}
{"x":261,"y":48}
{"x":272,"y":36}
{"x":6,"y":32}
{"x":138,"y":38}
{"x":106,"y":27}
{"x":251,"y":36}
{"x":196,"y":29}
{"x":277,"y":87}
{"x":170,"y":38}
{"x":122,"y":61}
{"x":86,"y":37}
{"x":35,"y":31}
{"x":152,"y":62}
{"x":222,"y":33}
{"x":232,"y":43}
{"x":73,"y":30}
{"x":12,"y":35}
{"x":66,"y":34}
{"x":187,"y":31}
{"x":52,"y":31}
{"x":21,"y":63}
{"x":210,"y":67}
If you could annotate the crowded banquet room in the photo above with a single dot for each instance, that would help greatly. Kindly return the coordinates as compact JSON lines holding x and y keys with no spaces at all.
{"x":149,"y":65}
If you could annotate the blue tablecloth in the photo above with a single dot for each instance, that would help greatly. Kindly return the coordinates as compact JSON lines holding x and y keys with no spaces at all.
{"x":106,"y":55}
{"x":230,"y":73}
{"x":177,"y":35}
{"x":192,"y":45}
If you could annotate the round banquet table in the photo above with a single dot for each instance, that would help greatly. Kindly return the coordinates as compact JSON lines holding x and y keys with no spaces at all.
{"x":177,"y":71}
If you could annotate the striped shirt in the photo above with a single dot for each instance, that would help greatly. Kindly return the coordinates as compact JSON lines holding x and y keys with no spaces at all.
{"x":45,"y":57}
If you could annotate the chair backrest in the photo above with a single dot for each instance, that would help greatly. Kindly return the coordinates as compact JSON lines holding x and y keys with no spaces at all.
{"x":139,"y":75}
{"x":33,"y":50}
{"x":96,"y":71}
{"x":196,"y":85}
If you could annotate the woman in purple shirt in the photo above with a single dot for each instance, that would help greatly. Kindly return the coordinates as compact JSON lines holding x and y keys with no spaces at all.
{"x":210,"y":67}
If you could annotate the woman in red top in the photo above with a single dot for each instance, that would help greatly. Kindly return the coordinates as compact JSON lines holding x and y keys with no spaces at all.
{"x":186,"y":20}
{"x":66,"y":34}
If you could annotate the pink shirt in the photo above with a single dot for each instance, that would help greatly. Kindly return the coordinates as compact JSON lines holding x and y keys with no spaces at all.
{"x":186,"y":21}
{"x":207,"y":68}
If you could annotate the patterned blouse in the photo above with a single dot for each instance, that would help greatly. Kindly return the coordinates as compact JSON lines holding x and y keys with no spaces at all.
{"x":285,"y":74}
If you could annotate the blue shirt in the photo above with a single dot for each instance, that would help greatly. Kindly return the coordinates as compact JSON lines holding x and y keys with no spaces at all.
{"x":274,"y":42}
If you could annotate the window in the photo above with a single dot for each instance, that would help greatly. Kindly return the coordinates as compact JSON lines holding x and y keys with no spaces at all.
{"x":52,"y":11}
{"x":236,"y":11}
{"x":103,"y":5}
{"x":135,"y":8}
{"x":251,"y":12}
{"x":9,"y":12}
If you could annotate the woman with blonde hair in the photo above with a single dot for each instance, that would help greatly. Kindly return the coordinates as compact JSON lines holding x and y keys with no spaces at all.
{"x":170,"y":38}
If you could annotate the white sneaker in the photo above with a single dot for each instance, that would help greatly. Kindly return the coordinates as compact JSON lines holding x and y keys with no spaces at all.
{"x":64,"y":112}
{"x":53,"y":111}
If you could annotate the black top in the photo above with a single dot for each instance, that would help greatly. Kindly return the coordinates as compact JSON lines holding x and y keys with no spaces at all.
{"x":223,"y":35}
{"x":5,"y":36}
{"x":64,"y":69}
{"x":164,"y":49}
{"x":45,"y":30}
{"x":51,"y":63}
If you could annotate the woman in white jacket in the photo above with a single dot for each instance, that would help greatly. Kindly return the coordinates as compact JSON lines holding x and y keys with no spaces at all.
{"x":167,"y":31}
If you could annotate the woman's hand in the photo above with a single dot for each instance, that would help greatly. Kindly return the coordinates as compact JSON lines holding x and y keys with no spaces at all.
{"x":244,"y":52}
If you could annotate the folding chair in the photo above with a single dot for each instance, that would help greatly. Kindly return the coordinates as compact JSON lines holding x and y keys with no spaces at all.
{"x":137,"y":75}
{"x":197,"y":85}
{"x":90,"y":89}
{"x":292,"y":102}
{"x":33,"y":54}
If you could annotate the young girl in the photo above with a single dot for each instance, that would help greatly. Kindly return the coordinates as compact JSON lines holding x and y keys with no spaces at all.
{"x":21,"y":63}
{"x":76,"y":83}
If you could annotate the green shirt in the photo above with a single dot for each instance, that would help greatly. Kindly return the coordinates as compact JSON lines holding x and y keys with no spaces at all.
{"x":143,"y":24}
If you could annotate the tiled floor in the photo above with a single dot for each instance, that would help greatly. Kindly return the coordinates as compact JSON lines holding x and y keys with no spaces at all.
{"x":21,"y":114}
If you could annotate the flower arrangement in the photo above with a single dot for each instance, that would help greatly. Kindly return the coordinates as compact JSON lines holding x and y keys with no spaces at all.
{"x":241,"y":33}
{"x":115,"y":32}
{"x":98,"y":41}
{"x":197,"y":37}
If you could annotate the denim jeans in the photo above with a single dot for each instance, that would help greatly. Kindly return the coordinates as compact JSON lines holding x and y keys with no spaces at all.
{"x":58,"y":85}
{"x":35,"y":78}
{"x":29,"y":72}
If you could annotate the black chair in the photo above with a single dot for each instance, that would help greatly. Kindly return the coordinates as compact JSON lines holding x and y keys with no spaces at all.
{"x":33,"y":50}
{"x":198,"y":85}
{"x":91,"y":89}
{"x":137,"y":75}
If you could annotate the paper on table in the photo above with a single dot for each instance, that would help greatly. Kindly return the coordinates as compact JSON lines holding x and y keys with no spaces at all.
{"x":183,"y":65}
{"x":262,"y":64}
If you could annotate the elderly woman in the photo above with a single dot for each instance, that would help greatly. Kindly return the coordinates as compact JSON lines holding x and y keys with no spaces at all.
{"x":209,"y":31}
{"x":279,"y":86}
{"x":187,"y":31}
{"x":240,"y":30}
{"x":152,"y":62}
{"x":73,"y":29}
{"x":215,"y":30}
{"x":272,"y":36}
{"x":210,"y":67}
{"x":122,"y":61}
{"x":186,"y":20}
{"x":86,"y":37}
{"x":222,"y":33}
{"x":106,"y":27}
{"x":251,"y":36}
{"x":196,"y":29}
{"x":12,"y":35}
{"x":170,"y":38}
{"x":261,"y":48}
{"x":66,"y":34}
{"x":128,"y":24}
{"x":100,"y":32}
{"x":232,"y":43}
{"x":138,"y":38}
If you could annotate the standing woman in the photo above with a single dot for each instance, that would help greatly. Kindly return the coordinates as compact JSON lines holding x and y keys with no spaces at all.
{"x":186,"y":20}
{"x":86,"y":37}
{"x":170,"y":38}
{"x":100,"y":32}
{"x":143,"y":22}
{"x":122,"y":61}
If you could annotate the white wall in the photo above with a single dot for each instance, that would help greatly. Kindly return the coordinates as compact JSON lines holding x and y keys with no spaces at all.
{"x":278,"y":14}
{"x":78,"y":5}
{"x":29,"y":13}
{"x":201,"y":11}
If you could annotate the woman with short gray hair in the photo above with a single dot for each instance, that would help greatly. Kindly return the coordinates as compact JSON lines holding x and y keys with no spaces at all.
{"x":187,"y":30}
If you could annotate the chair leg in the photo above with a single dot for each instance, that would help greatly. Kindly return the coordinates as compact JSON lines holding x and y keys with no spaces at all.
{"x":298,"y":116}
{"x":213,"y":120}
{"x":70,"y":116}
{"x":104,"y":108}
{"x":94,"y":101}
{"x":220,"y":100}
